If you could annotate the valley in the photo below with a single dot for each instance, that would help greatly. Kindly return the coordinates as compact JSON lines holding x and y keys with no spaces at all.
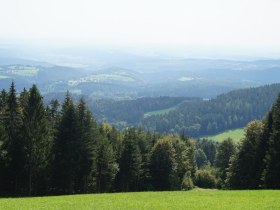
{"x":176,"y":92}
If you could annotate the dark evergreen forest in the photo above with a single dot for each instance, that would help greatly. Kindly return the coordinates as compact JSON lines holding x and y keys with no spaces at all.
{"x":228,"y":111}
{"x":61,"y":149}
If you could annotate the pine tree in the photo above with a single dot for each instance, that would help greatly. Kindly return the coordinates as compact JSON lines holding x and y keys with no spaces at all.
{"x":3,"y":158}
{"x":65,"y":150}
{"x":13,"y":145}
{"x":271,"y":173}
{"x":263,"y":148}
{"x":106,"y":166}
{"x":130,"y":163}
{"x":3,"y":102}
{"x":86,"y":147}
{"x":23,"y":99}
{"x":243,"y":166}
{"x":37,"y":140}
{"x":144,"y":142}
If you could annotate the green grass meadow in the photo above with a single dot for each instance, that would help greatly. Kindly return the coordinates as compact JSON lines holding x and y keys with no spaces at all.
{"x":19,"y":70}
{"x":160,"y":112}
{"x":236,"y":135}
{"x":195,"y":199}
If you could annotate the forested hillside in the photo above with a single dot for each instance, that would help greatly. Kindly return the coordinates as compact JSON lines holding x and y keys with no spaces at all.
{"x":63,"y":150}
{"x":131,"y":112}
{"x":231,"y":110}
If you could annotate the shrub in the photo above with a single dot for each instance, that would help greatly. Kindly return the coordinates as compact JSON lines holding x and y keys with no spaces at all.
{"x":205,"y":179}
{"x":187,"y":183}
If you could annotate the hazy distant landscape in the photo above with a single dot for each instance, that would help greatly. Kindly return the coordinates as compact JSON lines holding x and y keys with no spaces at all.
{"x":136,"y":90}
{"x":139,"y":104}
{"x":121,"y":75}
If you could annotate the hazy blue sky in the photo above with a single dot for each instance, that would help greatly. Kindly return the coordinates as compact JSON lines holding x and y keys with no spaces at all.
{"x":199,"y":23}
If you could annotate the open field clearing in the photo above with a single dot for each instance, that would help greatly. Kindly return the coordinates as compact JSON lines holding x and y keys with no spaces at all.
{"x":236,"y":135}
{"x":160,"y":112}
{"x":195,"y":199}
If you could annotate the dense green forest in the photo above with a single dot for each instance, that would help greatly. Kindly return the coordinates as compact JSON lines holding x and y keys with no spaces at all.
{"x":228,"y":111}
{"x":131,"y":112}
{"x":61,"y":149}
{"x":194,"y":116}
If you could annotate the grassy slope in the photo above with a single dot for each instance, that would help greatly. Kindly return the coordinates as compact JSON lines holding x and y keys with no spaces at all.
{"x":236,"y":135}
{"x":20,"y":70}
{"x":195,"y":199}
{"x":159,"y":112}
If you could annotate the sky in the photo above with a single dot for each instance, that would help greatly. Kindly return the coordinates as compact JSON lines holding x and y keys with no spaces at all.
{"x":241,"y":24}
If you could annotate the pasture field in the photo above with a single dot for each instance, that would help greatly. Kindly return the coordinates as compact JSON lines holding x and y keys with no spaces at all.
{"x":19,"y":70}
{"x":194,"y":199}
{"x":236,"y":135}
{"x":160,"y":112}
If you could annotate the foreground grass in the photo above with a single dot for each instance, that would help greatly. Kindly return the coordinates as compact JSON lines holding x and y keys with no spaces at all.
{"x":195,"y":199}
{"x":236,"y":135}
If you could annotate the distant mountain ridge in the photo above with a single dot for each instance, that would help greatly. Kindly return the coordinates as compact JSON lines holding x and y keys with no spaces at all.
{"x":142,"y":76}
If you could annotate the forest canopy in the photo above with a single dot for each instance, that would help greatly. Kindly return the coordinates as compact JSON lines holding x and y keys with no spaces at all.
{"x":62,"y":149}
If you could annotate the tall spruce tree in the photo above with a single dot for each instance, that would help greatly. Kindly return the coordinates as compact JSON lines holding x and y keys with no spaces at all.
{"x":13,"y":145}
{"x":65,"y":150}
{"x":3,"y":103}
{"x":243,"y":166}
{"x":106,"y":166}
{"x":3,"y":138}
{"x":86,"y":146}
{"x":37,"y":140}
{"x":263,"y":148}
{"x":130,"y":163}
{"x":144,"y":142}
{"x":23,"y":99}
{"x":271,"y":173}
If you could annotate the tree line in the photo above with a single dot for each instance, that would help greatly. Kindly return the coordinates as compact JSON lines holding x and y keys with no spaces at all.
{"x":253,"y":163}
{"x":131,"y":111}
{"x":228,"y":111}
{"x":61,"y":149}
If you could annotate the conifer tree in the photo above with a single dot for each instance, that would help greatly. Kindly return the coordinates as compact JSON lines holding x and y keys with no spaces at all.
{"x":262,"y":149}
{"x":243,"y":166}
{"x":130,"y":163}
{"x":86,"y":147}
{"x":37,"y":140}
{"x":271,"y":173}
{"x":144,"y":142}
{"x":3,"y":168}
{"x":13,"y":145}
{"x":3,"y":102}
{"x":106,"y":166}
{"x":65,"y":150}
{"x":23,"y":99}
